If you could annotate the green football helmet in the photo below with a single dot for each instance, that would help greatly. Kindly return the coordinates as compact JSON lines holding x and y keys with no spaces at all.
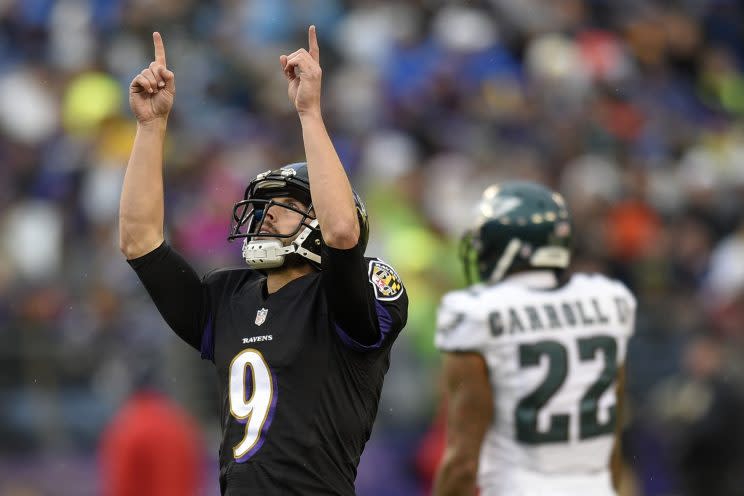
{"x":520,"y":226}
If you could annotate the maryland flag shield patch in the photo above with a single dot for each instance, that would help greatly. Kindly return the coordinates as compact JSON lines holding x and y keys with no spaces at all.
{"x":385,"y":280}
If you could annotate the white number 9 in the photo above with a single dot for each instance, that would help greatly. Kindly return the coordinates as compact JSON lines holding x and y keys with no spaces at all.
{"x":253,"y":410}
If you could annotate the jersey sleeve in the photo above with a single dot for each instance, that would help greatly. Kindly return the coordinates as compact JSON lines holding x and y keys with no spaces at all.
{"x":179,"y":295}
{"x":459,"y":327}
{"x":367,"y":301}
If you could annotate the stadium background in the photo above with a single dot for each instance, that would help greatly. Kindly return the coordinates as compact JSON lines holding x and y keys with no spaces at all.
{"x":632,"y":109}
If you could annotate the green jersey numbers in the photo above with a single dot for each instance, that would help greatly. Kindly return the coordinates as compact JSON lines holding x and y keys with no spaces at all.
{"x":594,"y":348}
{"x":557,"y":355}
{"x":252,"y":400}
{"x":529,"y":406}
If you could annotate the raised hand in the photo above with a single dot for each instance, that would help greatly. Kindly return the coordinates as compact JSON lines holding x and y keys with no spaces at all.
{"x":152,"y":91}
{"x":303,"y":73}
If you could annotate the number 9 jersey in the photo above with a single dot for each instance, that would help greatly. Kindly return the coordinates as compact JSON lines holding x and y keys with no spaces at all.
{"x":300,"y":370}
{"x":552,"y":353}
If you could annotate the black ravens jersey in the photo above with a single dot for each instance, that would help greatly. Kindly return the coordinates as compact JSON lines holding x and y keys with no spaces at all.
{"x":300,"y":370}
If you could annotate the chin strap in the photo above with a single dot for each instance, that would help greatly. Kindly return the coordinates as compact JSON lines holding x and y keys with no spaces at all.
{"x":270,"y":253}
{"x":265,"y":253}
{"x":299,"y":243}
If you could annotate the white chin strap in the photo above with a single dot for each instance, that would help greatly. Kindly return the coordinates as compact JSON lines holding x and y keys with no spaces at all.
{"x":270,"y":253}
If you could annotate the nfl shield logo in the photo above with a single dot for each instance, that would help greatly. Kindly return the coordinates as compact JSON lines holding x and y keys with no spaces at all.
{"x":261,"y":316}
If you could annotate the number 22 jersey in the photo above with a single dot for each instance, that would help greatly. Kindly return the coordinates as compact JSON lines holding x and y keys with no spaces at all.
{"x":552,"y":354}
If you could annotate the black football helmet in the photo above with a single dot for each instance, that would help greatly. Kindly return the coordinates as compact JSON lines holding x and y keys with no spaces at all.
{"x":520,"y":226}
{"x":248,"y":216}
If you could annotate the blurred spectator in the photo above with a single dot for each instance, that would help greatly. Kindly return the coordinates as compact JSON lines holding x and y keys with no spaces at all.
{"x":701,"y":409}
{"x":151,"y":447}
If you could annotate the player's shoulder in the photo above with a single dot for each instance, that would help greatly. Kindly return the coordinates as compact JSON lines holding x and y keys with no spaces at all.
{"x":598,"y":283}
{"x":462,"y":321}
{"x":463,"y":299}
{"x":387,"y":284}
{"x":480,"y":298}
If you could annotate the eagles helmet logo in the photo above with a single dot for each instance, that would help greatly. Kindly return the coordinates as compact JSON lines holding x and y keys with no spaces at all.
{"x":385,"y":280}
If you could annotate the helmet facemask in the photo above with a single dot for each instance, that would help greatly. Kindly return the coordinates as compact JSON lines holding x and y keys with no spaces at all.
{"x":263,"y":249}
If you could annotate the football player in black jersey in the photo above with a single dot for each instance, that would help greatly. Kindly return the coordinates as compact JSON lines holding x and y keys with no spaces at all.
{"x":301,"y":336}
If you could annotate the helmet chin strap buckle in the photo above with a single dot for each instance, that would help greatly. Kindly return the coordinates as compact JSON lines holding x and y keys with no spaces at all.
{"x":265,"y":253}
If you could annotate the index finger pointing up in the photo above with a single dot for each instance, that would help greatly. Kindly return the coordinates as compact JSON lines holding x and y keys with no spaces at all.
{"x":312,"y":41}
{"x":159,"y":48}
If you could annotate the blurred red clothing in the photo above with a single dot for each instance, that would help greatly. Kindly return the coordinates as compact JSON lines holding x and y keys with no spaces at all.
{"x":633,"y":228}
{"x":151,"y":447}
{"x":431,"y":450}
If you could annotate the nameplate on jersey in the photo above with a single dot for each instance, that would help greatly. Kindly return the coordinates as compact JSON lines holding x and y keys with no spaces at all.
{"x":385,"y":281}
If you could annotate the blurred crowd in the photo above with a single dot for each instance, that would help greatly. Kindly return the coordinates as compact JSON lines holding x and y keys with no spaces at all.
{"x":632,"y":109}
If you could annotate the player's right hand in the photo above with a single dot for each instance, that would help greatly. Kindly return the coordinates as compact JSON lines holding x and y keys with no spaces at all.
{"x":152,"y":91}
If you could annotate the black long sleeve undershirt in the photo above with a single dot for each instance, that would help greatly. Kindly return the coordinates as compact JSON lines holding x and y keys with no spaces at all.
{"x":176,"y":290}
{"x":350,"y":295}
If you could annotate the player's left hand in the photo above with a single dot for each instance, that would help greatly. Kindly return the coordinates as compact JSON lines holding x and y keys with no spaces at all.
{"x":303,"y":73}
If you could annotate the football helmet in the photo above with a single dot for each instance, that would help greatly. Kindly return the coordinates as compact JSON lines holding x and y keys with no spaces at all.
{"x":306,"y":240}
{"x":520,"y":225}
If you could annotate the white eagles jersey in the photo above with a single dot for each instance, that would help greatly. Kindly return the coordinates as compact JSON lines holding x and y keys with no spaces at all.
{"x":552,"y":356}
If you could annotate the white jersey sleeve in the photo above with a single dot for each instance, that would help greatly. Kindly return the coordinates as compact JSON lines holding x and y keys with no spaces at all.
{"x":460,"y":324}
